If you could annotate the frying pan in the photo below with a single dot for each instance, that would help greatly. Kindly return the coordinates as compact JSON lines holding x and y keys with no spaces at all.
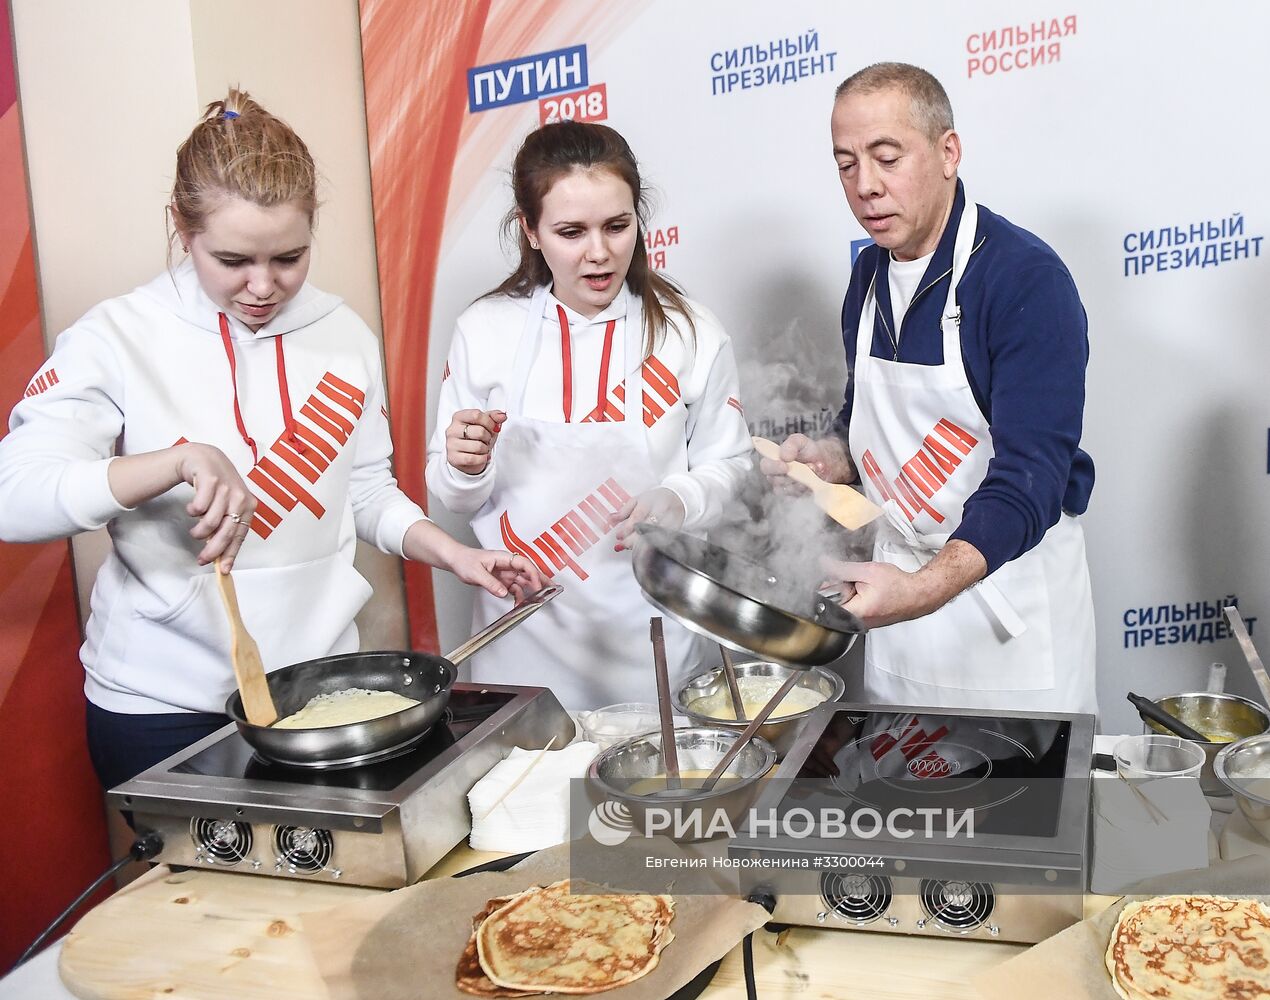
{"x":425,"y":677}
{"x":737,"y":602}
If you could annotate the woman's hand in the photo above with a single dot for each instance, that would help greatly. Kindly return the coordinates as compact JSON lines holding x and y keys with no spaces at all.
{"x":222,"y":502}
{"x":658,"y":506}
{"x":470,"y":438}
{"x":496,"y":571}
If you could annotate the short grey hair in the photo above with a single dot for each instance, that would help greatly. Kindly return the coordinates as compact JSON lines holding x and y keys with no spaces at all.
{"x":931,"y":109}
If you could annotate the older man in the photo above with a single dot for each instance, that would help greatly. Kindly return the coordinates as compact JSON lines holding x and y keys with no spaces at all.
{"x":966,"y":344}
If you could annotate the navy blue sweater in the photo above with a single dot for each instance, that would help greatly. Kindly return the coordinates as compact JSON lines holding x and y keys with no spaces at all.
{"x":1025,"y":344}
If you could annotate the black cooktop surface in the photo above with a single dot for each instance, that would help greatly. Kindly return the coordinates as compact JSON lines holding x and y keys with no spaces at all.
{"x":918,"y":768}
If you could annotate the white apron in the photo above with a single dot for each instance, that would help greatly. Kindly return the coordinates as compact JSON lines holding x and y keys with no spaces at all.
{"x":556,"y":483}
{"x":1021,"y":639}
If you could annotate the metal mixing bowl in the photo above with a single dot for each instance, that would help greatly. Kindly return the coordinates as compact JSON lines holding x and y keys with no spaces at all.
{"x":780,"y":732}
{"x":1208,"y":711}
{"x":1244,"y":768}
{"x":691,"y":810}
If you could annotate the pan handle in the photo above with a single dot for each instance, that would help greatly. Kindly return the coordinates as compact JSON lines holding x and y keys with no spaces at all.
{"x":500,"y":625}
{"x":828,"y":613}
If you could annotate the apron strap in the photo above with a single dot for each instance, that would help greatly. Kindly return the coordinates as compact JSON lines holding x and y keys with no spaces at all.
{"x":950,"y":322}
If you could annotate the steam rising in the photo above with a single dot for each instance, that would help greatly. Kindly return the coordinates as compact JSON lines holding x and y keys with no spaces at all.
{"x":788,"y":535}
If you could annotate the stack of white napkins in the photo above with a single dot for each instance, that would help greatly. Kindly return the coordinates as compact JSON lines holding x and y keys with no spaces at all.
{"x":1132,"y":842}
{"x":535,"y":814}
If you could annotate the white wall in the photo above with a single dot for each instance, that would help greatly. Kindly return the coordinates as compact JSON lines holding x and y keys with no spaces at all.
{"x":110,"y":89}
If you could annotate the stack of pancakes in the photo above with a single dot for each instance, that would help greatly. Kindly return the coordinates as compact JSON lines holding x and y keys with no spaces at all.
{"x":1191,"y":948}
{"x":547,"y":940}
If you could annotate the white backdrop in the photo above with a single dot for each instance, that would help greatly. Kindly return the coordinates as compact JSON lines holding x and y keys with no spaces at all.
{"x":1110,"y":122}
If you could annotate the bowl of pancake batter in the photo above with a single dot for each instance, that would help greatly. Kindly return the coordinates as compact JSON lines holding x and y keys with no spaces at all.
{"x":704,"y":698}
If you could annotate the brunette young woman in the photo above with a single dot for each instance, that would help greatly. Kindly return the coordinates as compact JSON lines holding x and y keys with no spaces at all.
{"x":585,"y":394}
{"x":227,"y":412}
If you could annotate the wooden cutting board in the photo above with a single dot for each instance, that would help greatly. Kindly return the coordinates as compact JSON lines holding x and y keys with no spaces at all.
{"x":199,"y":934}
{"x":209,"y":935}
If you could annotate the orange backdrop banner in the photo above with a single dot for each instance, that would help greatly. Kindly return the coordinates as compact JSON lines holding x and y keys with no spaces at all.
{"x":56,"y":804}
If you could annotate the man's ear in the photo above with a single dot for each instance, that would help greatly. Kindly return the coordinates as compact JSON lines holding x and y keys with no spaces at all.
{"x":950,"y":148}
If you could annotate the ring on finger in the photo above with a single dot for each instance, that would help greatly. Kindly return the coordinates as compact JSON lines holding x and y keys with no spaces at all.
{"x":465,"y":427}
{"x":236,"y":518}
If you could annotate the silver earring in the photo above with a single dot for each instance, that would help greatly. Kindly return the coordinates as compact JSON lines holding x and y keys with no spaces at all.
{"x":533,"y":244}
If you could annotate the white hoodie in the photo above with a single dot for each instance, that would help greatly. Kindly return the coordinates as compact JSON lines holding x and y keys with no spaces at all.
{"x":149,"y":369}
{"x":701,"y":453}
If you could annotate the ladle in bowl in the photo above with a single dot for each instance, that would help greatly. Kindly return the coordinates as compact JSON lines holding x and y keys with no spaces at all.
{"x":748,"y":732}
{"x":669,"y":752}
{"x":1249,"y":650}
{"x":734,"y":689}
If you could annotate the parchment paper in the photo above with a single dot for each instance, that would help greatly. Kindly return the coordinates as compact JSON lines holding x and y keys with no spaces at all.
{"x":404,"y":945}
{"x":1071,"y":964}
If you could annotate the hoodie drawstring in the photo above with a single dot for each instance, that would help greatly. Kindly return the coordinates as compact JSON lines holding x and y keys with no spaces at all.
{"x":288,"y":418}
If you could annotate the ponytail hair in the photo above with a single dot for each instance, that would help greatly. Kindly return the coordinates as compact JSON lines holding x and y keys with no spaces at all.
{"x":239,"y":149}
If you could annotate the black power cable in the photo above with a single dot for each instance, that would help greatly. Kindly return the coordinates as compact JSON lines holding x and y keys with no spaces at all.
{"x":142,"y":849}
{"x":768,"y":902}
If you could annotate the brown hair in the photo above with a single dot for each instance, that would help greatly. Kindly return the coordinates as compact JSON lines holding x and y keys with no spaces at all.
{"x":552,"y":152}
{"x":928,"y":101}
{"x":240,"y":149}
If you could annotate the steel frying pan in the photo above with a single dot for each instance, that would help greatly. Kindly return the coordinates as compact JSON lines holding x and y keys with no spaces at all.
{"x":425,"y":677}
{"x":739,"y":603}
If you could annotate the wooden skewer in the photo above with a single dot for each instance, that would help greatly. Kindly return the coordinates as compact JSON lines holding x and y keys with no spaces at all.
{"x":750,"y":730}
{"x":519,"y":778}
{"x":669,"y":752}
{"x":738,"y":707}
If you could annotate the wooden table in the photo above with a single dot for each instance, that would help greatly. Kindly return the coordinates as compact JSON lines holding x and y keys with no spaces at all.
{"x":208,"y":935}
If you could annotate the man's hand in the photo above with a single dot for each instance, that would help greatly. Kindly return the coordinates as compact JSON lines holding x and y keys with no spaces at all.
{"x":827,"y":457}
{"x":658,"y":506}
{"x":886,"y":594}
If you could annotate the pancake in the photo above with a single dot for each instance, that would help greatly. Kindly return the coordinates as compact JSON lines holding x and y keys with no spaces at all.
{"x":1191,"y":948}
{"x":547,"y":940}
{"x":469,"y":976}
{"x":342,"y":708}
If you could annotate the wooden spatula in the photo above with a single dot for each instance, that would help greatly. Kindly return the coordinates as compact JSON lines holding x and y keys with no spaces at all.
{"x":249,"y":669}
{"x":846,"y":506}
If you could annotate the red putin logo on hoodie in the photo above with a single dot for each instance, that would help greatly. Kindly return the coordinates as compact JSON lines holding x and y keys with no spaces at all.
{"x":302,"y":453}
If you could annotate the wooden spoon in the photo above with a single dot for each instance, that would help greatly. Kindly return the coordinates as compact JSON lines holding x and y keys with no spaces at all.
{"x":669,"y":752}
{"x":848,"y":507}
{"x":249,"y":669}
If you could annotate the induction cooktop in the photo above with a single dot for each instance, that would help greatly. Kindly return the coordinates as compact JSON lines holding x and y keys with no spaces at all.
{"x":926,"y":820}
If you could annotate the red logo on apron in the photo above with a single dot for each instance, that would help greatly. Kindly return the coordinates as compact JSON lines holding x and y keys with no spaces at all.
{"x":561,"y":545}
{"x":925,"y":474}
